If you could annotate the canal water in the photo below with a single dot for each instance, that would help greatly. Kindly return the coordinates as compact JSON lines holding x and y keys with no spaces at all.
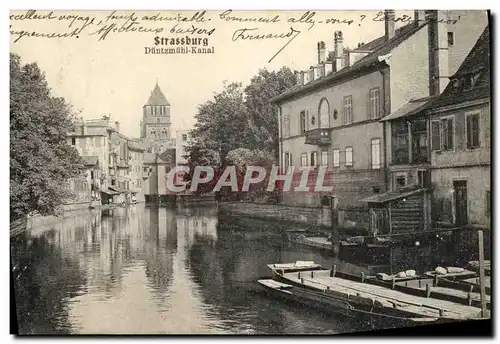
{"x":139,"y":270}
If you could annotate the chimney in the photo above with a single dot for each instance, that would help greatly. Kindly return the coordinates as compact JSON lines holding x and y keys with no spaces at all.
{"x":328,"y":67}
{"x":305,"y":76}
{"x":389,"y":24}
{"x":300,"y":78}
{"x":321,"y":70}
{"x":338,"y":50}
{"x":312,"y":73}
{"x":438,"y":51}
{"x":419,"y":17}
{"x":321,"y":52}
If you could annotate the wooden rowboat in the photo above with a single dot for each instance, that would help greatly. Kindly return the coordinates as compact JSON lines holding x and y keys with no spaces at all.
{"x":437,"y":287}
{"x":279,"y":269}
{"x":331,"y":303}
{"x":397,"y":293}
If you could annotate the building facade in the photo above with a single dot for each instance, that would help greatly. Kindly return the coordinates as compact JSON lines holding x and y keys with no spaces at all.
{"x":460,"y":142}
{"x":182,"y":138}
{"x":332,"y":117}
{"x":136,"y":164}
{"x":155,"y":125}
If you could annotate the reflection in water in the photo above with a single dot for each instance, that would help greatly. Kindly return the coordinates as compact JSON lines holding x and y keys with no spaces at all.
{"x":156,"y":270}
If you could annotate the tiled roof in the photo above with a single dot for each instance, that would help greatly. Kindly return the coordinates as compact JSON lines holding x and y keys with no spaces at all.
{"x":378,"y":42}
{"x":90,"y":131}
{"x":157,"y":97}
{"x":369,"y":61}
{"x":90,"y":160}
{"x":412,"y":107}
{"x":392,"y":195}
{"x":477,"y":63}
{"x":135,"y":145}
{"x":168,"y":156}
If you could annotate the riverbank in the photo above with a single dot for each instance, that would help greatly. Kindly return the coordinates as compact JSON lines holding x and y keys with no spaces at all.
{"x":31,"y":223}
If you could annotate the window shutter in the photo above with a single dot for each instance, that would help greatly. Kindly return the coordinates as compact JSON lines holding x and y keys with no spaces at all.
{"x":475,"y":130}
{"x":460,"y":138}
{"x":469,"y":132}
{"x":451,"y":133}
{"x":436,"y":136}
{"x":370,"y":105}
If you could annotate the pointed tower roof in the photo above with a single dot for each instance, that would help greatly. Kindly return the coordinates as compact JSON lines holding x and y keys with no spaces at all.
{"x":157,"y":97}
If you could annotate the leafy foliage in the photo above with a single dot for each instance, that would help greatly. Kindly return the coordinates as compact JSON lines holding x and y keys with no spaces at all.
{"x":263,"y":116}
{"x":41,"y":162}
{"x":240,"y":125}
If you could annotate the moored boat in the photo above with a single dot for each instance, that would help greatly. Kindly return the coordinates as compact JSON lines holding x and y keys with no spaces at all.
{"x":391,"y":295}
{"x":281,"y":268}
{"x":329,"y":302}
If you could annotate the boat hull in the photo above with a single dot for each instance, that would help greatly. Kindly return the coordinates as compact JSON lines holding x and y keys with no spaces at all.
{"x":330,"y":305}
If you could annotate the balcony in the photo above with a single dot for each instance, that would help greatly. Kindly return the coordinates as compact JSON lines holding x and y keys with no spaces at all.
{"x":401,"y":156}
{"x":318,"y":137}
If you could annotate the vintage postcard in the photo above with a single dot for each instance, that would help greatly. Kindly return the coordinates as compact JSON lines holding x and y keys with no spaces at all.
{"x":250,"y":172}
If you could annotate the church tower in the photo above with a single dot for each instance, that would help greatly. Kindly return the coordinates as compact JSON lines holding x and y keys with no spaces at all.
{"x":155,"y":125}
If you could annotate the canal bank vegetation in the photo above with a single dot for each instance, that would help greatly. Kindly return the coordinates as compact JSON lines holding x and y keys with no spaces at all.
{"x":41,"y":162}
{"x":239,"y":126}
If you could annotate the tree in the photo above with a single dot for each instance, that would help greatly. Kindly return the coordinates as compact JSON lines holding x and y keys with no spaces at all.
{"x":262,"y":114}
{"x":41,"y":162}
{"x":222,"y":124}
{"x":240,"y":120}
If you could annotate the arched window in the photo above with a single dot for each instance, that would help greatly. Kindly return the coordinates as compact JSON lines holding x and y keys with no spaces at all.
{"x":324,"y":113}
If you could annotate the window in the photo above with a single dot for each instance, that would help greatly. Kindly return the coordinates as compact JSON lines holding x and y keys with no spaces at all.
{"x":348,"y":156}
{"x":324,"y":158}
{"x":400,"y":142}
{"x":336,"y":158}
{"x":447,"y":134}
{"x":314,"y":158}
{"x":436,"y":136}
{"x":348,"y":110}
{"x":400,"y":181}
{"x":286,"y":126}
{"x":375,"y":153}
{"x":451,"y":38}
{"x":184,"y":137}
{"x":287,"y":160}
{"x":419,"y":145}
{"x":324,"y":114}
{"x":73,"y":141}
{"x":374,"y":103}
{"x":303,"y":159}
{"x":472,"y":130}
{"x":302,"y":122}
{"x":424,"y":179}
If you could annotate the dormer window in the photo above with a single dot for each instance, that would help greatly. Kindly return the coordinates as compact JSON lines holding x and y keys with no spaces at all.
{"x":474,"y":79}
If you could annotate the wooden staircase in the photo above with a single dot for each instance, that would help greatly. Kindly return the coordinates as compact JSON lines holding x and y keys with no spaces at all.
{"x":407,"y":214}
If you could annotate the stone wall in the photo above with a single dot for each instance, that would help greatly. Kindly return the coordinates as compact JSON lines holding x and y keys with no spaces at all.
{"x":307,"y":216}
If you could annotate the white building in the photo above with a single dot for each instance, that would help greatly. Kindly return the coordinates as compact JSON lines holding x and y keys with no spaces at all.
{"x":182,"y":138}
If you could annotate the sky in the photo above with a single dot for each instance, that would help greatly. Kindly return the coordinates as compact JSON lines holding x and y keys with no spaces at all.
{"x":114,"y":76}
